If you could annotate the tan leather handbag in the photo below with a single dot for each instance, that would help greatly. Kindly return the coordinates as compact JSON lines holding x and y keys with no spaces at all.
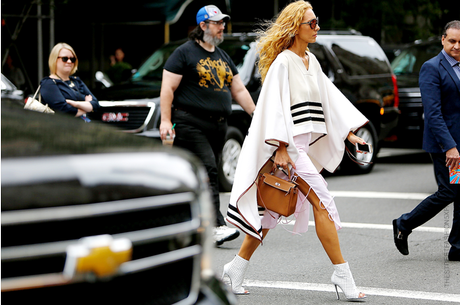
{"x":276,"y":194}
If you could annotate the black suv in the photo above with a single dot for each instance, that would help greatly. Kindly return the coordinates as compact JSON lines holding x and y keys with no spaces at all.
{"x":406,"y":65}
{"x":358,"y":66}
{"x":355,"y":63}
{"x":94,"y":216}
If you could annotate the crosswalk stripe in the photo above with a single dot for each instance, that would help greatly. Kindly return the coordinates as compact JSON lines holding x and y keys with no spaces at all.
{"x":422,"y":295}
{"x":375,"y":226}
{"x":380,"y":195}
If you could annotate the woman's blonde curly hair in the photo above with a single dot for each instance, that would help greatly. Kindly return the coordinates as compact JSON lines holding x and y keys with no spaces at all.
{"x":279,"y":34}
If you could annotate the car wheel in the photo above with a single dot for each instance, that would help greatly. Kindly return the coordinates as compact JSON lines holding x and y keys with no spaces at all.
{"x":368,"y":134}
{"x":229,"y":158}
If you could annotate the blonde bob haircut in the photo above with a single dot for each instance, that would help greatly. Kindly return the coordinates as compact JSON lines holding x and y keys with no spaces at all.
{"x":54,"y":56}
{"x":280,"y":34}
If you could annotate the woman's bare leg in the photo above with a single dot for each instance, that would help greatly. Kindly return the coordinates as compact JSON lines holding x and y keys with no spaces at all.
{"x":325,"y":227}
{"x":250,"y":245}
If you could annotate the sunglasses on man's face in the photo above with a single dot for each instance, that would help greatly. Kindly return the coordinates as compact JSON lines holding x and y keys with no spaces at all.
{"x":65,"y":59}
{"x":312,"y":23}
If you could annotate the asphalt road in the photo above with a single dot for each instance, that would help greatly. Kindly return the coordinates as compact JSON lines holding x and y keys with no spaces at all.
{"x":292,"y":269}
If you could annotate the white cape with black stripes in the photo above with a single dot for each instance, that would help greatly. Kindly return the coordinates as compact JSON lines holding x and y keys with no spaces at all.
{"x":272,"y":123}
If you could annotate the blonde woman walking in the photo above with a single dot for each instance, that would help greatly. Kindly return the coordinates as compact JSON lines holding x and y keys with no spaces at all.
{"x":302,"y":120}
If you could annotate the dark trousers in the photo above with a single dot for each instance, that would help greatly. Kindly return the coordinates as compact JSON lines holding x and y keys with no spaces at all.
{"x":432,"y":205}
{"x":204,"y":137}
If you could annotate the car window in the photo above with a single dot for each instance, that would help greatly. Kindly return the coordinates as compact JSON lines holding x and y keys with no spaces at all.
{"x":404,"y":62}
{"x":243,"y":55}
{"x":320,"y":54}
{"x":237,"y":50}
{"x":361,"y":57}
{"x":152,"y":69}
{"x":410,"y":60}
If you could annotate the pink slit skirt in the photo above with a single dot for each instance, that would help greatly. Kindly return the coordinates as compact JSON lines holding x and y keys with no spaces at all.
{"x":306,"y":170}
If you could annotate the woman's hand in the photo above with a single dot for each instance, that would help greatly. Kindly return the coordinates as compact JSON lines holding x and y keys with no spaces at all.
{"x":83,"y":107}
{"x":355,"y":139}
{"x":282,"y":158}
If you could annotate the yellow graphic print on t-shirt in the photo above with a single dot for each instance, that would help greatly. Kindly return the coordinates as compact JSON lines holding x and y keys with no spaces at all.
{"x":214,"y":72}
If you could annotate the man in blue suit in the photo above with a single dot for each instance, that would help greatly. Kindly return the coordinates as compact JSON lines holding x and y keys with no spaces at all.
{"x":439,"y":82}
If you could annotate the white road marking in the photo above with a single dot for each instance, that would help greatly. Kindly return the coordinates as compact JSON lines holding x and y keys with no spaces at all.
{"x":380,"y":195}
{"x":421,"y":295}
{"x":374,"y":226}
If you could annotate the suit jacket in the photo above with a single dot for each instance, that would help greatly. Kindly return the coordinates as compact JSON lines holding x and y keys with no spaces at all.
{"x":440,"y":88}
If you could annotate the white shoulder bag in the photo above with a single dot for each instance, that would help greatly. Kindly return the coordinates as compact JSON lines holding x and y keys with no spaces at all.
{"x":33,"y":104}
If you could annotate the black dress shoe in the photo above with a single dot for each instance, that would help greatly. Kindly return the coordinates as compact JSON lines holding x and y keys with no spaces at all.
{"x":454,"y":255}
{"x":400,"y":239}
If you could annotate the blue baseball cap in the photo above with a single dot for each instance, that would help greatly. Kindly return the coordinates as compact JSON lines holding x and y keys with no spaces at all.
{"x":210,"y":12}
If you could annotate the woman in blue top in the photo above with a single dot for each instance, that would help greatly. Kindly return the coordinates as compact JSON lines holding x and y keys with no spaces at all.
{"x":62,"y":91}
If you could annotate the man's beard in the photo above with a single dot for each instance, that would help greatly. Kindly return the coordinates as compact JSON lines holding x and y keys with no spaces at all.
{"x":212,"y":40}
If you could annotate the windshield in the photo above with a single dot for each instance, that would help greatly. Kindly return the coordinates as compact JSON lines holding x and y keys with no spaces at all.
{"x":410,"y":60}
{"x":152,"y":69}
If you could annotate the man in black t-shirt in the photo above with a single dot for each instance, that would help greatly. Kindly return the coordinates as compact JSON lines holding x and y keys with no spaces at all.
{"x":199,"y":82}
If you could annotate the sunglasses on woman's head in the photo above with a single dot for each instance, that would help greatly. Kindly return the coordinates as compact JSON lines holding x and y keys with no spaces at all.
{"x":312,"y":23}
{"x":65,"y":59}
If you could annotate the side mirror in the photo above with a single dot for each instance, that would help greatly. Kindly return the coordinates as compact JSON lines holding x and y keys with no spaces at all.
{"x":104,"y":79}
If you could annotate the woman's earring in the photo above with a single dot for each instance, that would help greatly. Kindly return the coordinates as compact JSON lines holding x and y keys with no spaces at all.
{"x":292,"y":35}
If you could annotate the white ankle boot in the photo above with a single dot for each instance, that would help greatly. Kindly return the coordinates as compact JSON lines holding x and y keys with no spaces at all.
{"x":342,"y":277}
{"x":235,"y":271}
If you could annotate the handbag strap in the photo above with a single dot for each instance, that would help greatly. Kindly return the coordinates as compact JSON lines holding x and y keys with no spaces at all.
{"x":284,"y":171}
{"x":36,"y":92}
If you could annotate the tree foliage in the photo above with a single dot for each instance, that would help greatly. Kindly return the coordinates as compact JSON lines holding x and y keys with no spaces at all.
{"x":391,"y":21}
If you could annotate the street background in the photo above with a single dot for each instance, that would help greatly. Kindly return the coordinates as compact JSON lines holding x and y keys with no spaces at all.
{"x":290,"y":269}
{"x":287,"y":269}
{"x":31,"y":28}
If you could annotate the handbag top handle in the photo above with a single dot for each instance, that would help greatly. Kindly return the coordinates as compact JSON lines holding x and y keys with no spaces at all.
{"x":288,"y":173}
{"x":39,"y":96}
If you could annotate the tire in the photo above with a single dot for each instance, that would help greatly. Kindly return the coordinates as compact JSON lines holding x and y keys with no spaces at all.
{"x":229,"y":158}
{"x":368,"y":134}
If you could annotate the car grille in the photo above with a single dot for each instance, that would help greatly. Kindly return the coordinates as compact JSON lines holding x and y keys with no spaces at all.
{"x":411,"y":122}
{"x":129,"y":118}
{"x":411,"y":115}
{"x":166,"y":252}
